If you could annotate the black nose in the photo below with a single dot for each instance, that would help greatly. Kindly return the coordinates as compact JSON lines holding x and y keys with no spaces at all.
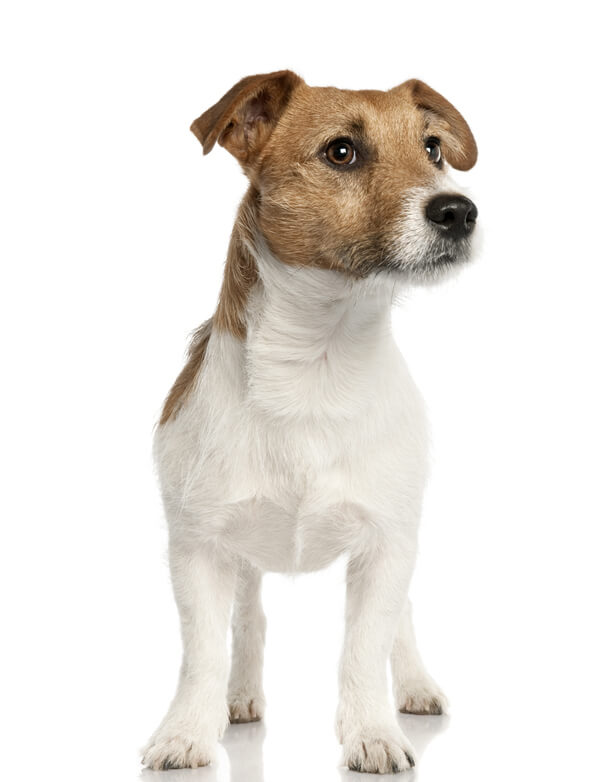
{"x":454,"y":215}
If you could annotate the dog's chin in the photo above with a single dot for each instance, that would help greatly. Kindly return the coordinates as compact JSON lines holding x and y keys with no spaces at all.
{"x":425,"y":269}
{"x":433,"y":269}
{"x":419,"y":258}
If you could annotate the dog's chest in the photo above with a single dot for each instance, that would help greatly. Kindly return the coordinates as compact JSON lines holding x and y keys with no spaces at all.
{"x":299,"y":439}
{"x":294,"y":502}
{"x":293,"y":492}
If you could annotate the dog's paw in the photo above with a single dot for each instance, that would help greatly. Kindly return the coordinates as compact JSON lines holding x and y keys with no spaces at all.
{"x":378,"y":750}
{"x":178,"y":750}
{"x":246,"y":708}
{"x":421,"y":697}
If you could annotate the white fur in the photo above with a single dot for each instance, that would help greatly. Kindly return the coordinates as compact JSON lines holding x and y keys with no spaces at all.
{"x":305,"y":442}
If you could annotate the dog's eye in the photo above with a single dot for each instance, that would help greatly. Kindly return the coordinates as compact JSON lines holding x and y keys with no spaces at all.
{"x":434,"y":150}
{"x":341,"y":152}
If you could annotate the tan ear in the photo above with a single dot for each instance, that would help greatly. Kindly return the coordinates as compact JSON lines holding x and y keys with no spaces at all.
{"x":445,"y":122}
{"x":243,"y":119}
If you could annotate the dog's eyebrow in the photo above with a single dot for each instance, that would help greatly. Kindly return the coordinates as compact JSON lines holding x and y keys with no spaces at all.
{"x":357,"y":126}
{"x":356,"y":130}
{"x":351,"y":127}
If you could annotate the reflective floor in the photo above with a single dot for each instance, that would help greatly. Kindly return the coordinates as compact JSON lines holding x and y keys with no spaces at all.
{"x":244,"y":747}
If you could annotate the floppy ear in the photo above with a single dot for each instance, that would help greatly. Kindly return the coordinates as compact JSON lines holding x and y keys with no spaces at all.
{"x":446,"y":122}
{"x":243,"y":119}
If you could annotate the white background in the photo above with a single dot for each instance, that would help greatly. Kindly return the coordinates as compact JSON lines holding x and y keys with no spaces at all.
{"x":114,"y":232}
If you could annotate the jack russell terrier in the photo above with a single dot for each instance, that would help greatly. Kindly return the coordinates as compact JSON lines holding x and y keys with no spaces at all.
{"x":295,"y":434}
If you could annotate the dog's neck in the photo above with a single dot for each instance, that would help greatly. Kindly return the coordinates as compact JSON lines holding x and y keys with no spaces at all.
{"x":316,"y":339}
{"x":310,"y":308}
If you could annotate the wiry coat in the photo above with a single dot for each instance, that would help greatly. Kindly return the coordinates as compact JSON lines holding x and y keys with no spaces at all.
{"x":295,"y":433}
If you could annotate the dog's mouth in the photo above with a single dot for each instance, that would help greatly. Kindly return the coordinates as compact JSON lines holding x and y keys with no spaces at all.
{"x":420,"y":261}
{"x":445,"y":258}
{"x":429,"y":269}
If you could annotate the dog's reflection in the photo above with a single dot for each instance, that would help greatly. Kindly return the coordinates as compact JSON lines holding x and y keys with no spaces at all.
{"x":243,"y":747}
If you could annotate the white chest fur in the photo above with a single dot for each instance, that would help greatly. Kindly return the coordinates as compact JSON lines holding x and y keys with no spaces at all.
{"x":298,"y":442}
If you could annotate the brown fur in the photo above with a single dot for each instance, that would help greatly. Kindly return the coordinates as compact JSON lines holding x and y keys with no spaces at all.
{"x":314,"y":214}
{"x":242,"y":120}
{"x":445,"y":121}
{"x":240,"y":271}
{"x":240,"y":275}
{"x":309,"y":212}
{"x":186,"y":378}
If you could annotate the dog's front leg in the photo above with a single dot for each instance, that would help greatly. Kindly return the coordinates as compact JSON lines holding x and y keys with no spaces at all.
{"x":377,"y":587}
{"x":203,"y":583}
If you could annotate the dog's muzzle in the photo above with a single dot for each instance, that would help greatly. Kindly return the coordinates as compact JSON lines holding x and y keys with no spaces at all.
{"x":454,"y":216}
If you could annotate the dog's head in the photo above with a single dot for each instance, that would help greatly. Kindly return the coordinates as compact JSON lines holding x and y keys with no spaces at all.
{"x":350,"y":180}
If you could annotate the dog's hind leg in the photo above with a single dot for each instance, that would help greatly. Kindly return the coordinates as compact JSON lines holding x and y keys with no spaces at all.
{"x":245,"y":693}
{"x":415,"y":691}
{"x":203,"y":583}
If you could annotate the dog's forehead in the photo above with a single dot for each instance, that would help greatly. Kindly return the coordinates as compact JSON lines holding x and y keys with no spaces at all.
{"x":321,"y":111}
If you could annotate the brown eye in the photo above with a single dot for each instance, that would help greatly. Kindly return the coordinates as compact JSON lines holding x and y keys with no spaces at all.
{"x":341,"y":152}
{"x":434,"y":150}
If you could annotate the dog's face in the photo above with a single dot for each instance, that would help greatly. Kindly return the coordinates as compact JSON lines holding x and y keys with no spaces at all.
{"x":350,"y":180}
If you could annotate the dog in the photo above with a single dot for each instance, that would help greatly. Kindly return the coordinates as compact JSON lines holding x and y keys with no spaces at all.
{"x":295,"y":434}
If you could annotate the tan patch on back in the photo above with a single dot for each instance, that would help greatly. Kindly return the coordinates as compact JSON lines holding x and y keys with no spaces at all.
{"x":240,"y":271}
{"x":240,"y":275}
{"x":186,"y":378}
